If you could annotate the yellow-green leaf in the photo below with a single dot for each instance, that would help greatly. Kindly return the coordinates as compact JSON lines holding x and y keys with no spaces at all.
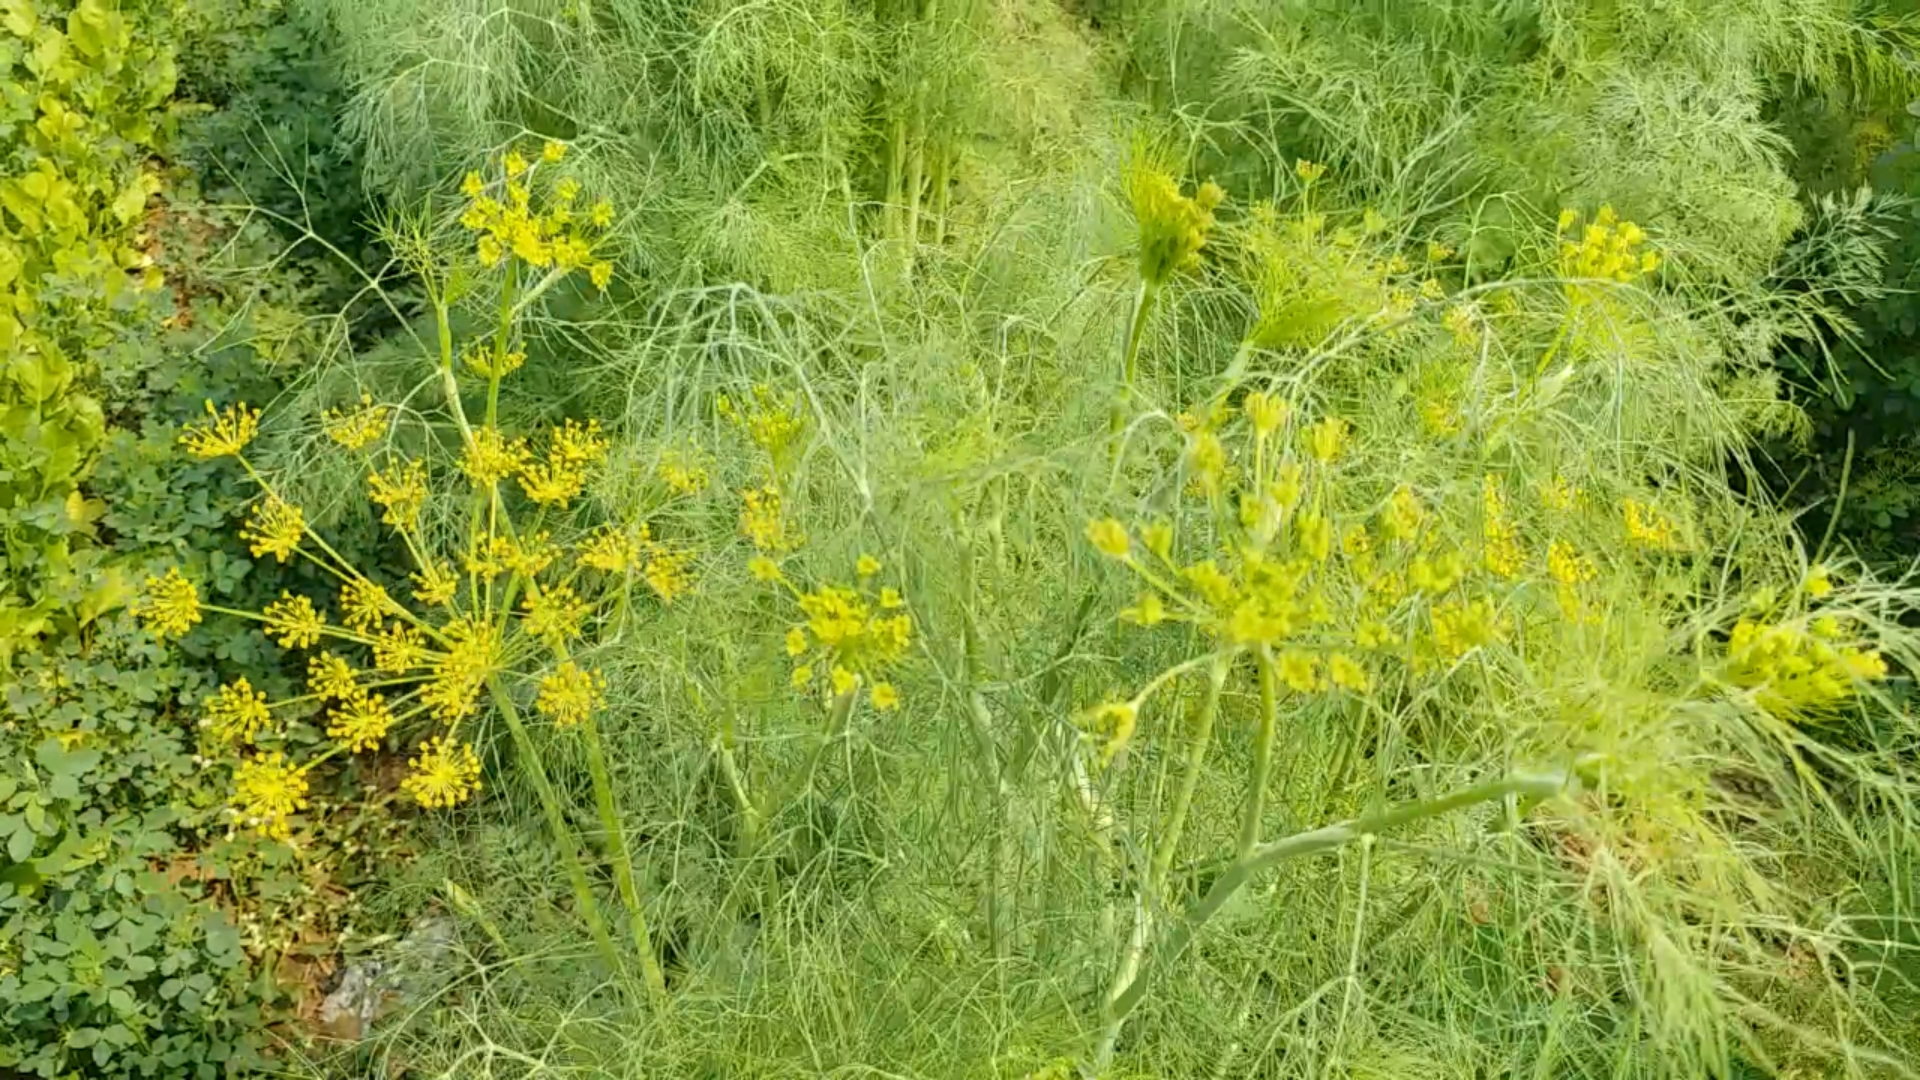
{"x":17,"y":18}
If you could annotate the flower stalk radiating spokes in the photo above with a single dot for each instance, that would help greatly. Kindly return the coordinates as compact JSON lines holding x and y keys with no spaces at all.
{"x":484,"y":617}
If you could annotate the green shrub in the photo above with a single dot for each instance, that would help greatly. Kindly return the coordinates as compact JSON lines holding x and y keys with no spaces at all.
{"x":116,"y":956}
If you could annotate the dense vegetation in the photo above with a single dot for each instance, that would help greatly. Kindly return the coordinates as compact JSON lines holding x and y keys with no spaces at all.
{"x":958,"y":539}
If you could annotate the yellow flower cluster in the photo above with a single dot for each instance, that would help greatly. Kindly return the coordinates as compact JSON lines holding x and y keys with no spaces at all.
{"x":570,"y":693}
{"x":848,"y":634}
{"x":293,"y":622}
{"x":683,"y":471}
{"x":1648,"y":527}
{"x":237,"y":713}
{"x":1173,"y":227}
{"x":169,"y":606}
{"x":1796,"y":669}
{"x":400,"y":491}
{"x":447,"y":773}
{"x":274,"y":528}
{"x":1501,"y":551}
{"x":358,"y":429}
{"x":771,"y":420}
{"x":559,"y":237}
{"x":225,"y":433}
{"x":267,"y":792}
{"x":1607,"y":248}
{"x":361,"y":722}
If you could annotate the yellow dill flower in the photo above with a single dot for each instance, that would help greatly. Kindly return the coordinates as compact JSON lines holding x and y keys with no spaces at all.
{"x":553,"y":151}
{"x":435,"y":585}
{"x":267,"y":791}
{"x":514,"y":163}
{"x":682,"y":472}
{"x":1158,"y":538}
{"x":225,"y":433}
{"x":1113,"y":723}
{"x":601,"y":215}
{"x":364,"y":605}
{"x":554,"y":614}
{"x":1566,"y":565}
{"x":489,"y":362}
{"x":890,"y":598}
{"x":528,"y":556}
{"x":1647,"y":526}
{"x":489,"y":457}
{"x":472,"y":657}
{"x":472,"y":185}
{"x":764,"y":569}
{"x":1347,"y":674}
{"x":1172,"y":227}
{"x":447,"y":773}
{"x":1463,"y":323}
{"x":293,"y":622}
{"x":796,"y":641}
{"x":356,"y":430}
{"x":569,"y":694}
{"x":169,"y":606}
{"x":401,"y":490}
{"x":399,"y":649}
{"x":885,"y":697}
{"x":1502,"y":553}
{"x":802,"y":675}
{"x":577,"y":444}
{"x":331,"y":679}
{"x":1109,"y":538}
{"x":1265,"y":412}
{"x":844,"y":682}
{"x":847,"y":627}
{"x":1314,"y":534}
{"x":600,"y":273}
{"x":1299,"y":671}
{"x":552,"y":483}
{"x":1460,"y":627}
{"x":763,"y":522}
{"x":1819,"y":583}
{"x":1207,"y":461}
{"x":1149,"y":610}
{"x":669,"y":573}
{"x":488,"y":250}
{"x":489,"y":558}
{"x":1607,"y":248}
{"x":609,"y":550}
{"x":274,"y":528}
{"x":866,"y":566}
{"x":1327,"y":438}
{"x":361,"y":722}
{"x":1793,"y":672}
{"x":237,"y":712}
{"x":1402,"y":518}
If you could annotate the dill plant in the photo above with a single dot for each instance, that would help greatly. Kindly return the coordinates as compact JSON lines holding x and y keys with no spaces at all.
{"x":508,"y":591}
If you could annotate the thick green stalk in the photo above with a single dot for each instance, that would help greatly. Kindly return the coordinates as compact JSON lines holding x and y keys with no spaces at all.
{"x":1266,"y":856}
{"x":1143,"y":301}
{"x":1262,"y":756}
{"x":556,"y":823}
{"x":623,"y":875}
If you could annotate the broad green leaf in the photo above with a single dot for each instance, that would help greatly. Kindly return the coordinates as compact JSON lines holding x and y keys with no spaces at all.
{"x":17,"y":18}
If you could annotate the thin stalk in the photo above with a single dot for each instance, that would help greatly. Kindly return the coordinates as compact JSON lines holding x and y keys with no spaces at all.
{"x":1266,"y":856}
{"x":623,"y":875}
{"x":1262,"y":755}
{"x":1196,"y":761}
{"x":583,"y":896}
{"x":1151,"y":897}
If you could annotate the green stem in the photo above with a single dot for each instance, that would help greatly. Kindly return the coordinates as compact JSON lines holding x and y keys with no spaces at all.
{"x":1176,"y":822}
{"x":1262,"y":756}
{"x":622,"y":858}
{"x":1143,"y":301}
{"x":556,"y":823}
{"x":1327,"y":838}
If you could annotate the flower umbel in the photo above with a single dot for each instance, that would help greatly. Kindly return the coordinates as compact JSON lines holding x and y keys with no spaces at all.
{"x":170,"y":605}
{"x":447,"y":773}
{"x":224,"y":433}
{"x":569,"y":694}
{"x":266,"y":792}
